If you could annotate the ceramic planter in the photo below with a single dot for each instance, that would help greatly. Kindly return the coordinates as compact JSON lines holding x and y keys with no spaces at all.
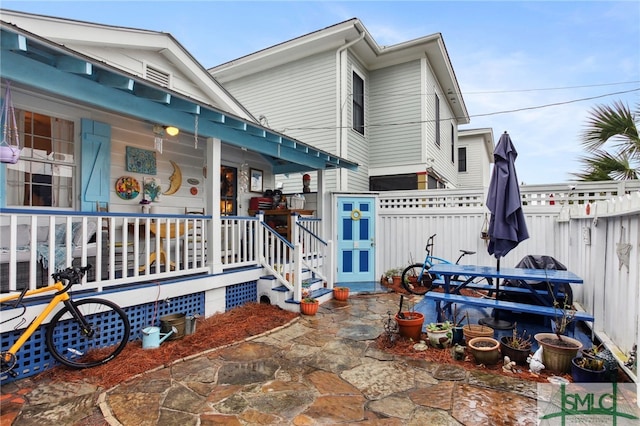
{"x":411,"y":325}
{"x":485,"y":350}
{"x":557,"y":354}
{"x":457,"y":336}
{"x":309,"y":308}
{"x":519,"y":356}
{"x":583,"y":375}
{"x":440,"y":338}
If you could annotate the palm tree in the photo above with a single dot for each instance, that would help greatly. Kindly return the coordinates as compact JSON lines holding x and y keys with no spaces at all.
{"x":616,"y":125}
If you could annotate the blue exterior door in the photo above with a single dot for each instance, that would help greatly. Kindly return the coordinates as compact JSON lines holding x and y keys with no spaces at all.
{"x":356,"y":231}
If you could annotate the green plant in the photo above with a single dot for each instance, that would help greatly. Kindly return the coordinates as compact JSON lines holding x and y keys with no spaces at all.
{"x":519,"y":340}
{"x":590,"y":360}
{"x":439,"y":326}
{"x":310,"y":299}
{"x":393,"y":272}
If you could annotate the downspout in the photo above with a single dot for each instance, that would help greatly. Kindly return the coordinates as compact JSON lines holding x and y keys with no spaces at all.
{"x":341,"y":87}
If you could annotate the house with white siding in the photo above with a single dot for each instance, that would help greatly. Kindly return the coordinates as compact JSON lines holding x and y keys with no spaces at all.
{"x":93,"y":106}
{"x":394,"y":110}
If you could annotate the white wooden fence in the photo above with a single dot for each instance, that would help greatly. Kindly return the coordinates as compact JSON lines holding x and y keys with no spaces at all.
{"x":582,"y":225}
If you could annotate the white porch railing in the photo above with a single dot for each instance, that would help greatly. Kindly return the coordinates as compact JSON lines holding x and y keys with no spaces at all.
{"x":128,"y":249}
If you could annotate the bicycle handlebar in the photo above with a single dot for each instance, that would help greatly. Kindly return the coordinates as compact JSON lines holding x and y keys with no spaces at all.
{"x":71,"y":275}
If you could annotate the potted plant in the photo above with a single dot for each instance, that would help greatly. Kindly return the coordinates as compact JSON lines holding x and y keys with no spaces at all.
{"x":341,"y":293}
{"x":409,"y":322}
{"x":589,"y":368}
{"x":440,"y":334}
{"x":485,"y":350}
{"x":558,"y":349}
{"x":457,"y":334}
{"x":309,"y":306}
{"x":475,"y":330}
{"x":394,"y":276}
{"x":517,"y":346}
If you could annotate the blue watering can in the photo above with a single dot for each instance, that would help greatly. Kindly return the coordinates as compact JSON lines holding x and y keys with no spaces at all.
{"x":151,"y":337}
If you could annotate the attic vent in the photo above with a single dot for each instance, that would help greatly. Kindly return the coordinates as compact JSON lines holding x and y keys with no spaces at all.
{"x":157,"y":76}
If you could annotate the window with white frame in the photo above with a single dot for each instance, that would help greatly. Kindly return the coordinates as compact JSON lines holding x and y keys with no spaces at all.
{"x":437,"y":126}
{"x":358,"y":103}
{"x":43,"y":177}
{"x":462,"y":159}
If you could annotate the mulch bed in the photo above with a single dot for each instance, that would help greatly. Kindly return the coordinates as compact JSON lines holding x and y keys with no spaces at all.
{"x":218,"y":330}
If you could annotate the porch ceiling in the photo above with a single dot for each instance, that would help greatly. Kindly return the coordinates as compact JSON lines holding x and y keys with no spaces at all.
{"x":34,"y":62}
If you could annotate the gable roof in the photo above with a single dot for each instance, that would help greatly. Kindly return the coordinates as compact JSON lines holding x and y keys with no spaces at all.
{"x":39,"y":63}
{"x":105,"y":42}
{"x":368,"y":52}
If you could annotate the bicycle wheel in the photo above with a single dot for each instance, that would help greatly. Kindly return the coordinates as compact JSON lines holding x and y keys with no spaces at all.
{"x":106,"y":335}
{"x":415,"y":280}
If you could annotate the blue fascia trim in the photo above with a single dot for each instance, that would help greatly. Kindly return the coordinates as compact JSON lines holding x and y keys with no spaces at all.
{"x":231,"y":130}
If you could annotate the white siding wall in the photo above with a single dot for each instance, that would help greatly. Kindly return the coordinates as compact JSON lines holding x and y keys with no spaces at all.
{"x":128,"y":132}
{"x":394,"y":98}
{"x":478,"y":167}
{"x":358,"y":145}
{"x":441,"y":154}
{"x":135,"y":61}
{"x":298,"y":99}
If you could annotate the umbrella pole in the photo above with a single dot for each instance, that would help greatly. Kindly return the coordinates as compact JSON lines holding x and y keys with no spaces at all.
{"x":495,"y":322}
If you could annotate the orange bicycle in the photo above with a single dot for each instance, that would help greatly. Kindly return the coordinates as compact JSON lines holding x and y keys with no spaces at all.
{"x":83,"y":333}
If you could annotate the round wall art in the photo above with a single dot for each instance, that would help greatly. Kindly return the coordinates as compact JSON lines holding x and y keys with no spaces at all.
{"x":127,"y":188}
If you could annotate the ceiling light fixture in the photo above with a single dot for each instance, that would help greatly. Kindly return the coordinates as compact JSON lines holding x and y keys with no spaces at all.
{"x":171,"y":131}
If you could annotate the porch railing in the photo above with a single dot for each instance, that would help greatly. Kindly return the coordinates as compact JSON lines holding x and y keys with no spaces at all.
{"x":132,"y":248}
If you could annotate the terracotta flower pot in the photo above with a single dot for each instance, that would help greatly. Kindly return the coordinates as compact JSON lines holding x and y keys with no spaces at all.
{"x":411,"y":325}
{"x":557,"y":354}
{"x":309,"y":308}
{"x":476,"y":330}
{"x":341,"y":293}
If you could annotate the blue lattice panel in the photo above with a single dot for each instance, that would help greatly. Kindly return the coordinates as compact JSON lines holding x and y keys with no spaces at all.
{"x":34,"y":358}
{"x":239,"y":294}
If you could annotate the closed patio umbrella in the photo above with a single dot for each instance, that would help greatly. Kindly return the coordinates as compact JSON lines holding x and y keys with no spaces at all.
{"x":507,"y":226}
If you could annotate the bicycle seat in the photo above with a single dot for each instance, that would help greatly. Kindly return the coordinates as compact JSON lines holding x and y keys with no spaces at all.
{"x":468,"y":252}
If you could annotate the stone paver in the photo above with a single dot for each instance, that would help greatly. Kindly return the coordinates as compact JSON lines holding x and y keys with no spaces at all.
{"x":321,"y":370}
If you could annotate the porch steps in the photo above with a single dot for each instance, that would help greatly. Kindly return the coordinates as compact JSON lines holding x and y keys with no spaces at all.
{"x":280,"y":295}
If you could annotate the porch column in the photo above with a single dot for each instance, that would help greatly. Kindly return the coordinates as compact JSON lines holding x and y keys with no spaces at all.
{"x":214,"y":255}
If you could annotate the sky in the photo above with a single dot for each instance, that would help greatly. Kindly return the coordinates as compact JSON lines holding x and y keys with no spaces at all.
{"x":535,"y":69}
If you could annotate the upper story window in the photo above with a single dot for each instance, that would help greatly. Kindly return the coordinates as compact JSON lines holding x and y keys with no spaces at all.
{"x":358,"y":103}
{"x":453,"y":144}
{"x":462,"y":159}
{"x":44,"y":174}
{"x":437,"y":108}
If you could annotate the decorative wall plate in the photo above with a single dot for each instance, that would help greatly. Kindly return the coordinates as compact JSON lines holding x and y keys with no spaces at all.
{"x":194,"y":190}
{"x":192,"y":181}
{"x":127,"y":187}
